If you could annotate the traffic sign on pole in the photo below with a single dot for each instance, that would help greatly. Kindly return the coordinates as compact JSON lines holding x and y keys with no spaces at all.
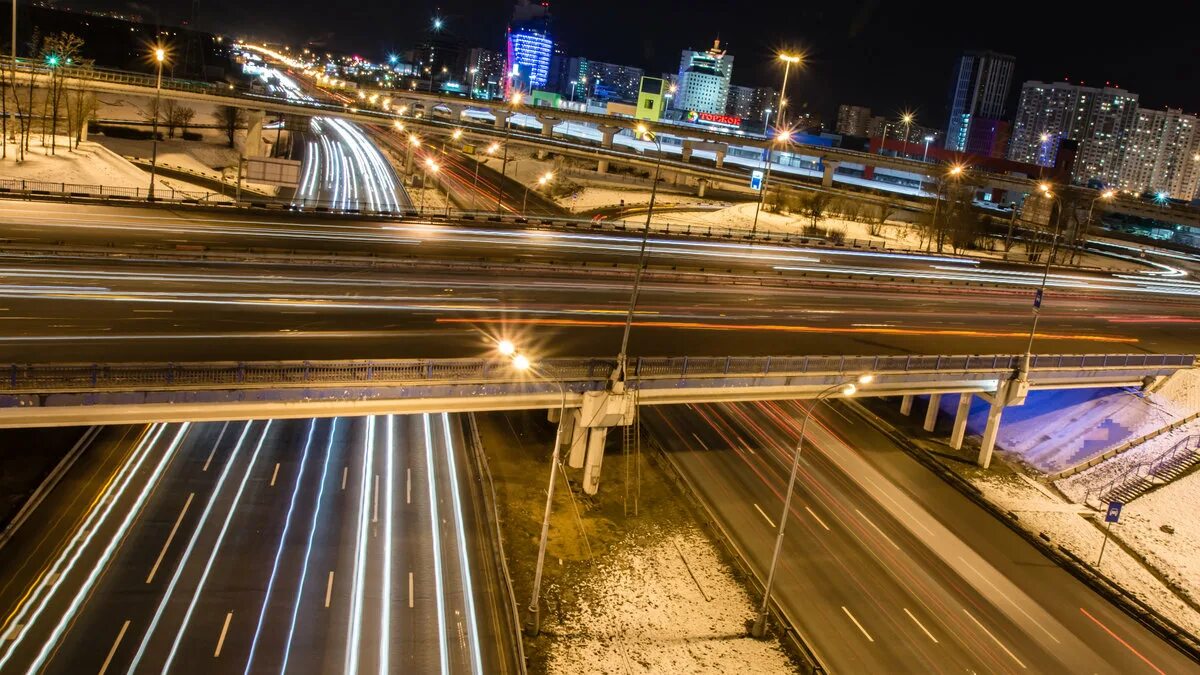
{"x":756,"y":179}
{"x":1114,"y":512}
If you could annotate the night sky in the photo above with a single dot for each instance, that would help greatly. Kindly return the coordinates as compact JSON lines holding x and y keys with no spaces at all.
{"x":886,"y":55}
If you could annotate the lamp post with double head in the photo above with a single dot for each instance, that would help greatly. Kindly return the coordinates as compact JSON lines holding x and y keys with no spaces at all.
{"x":781,"y":136}
{"x":513,"y":102}
{"x":1048,"y":193}
{"x":848,"y":388}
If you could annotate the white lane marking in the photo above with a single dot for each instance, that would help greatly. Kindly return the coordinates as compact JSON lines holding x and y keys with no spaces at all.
{"x":900,"y":507}
{"x":698,"y":440}
{"x":989,"y":634}
{"x":856,"y":623}
{"x":410,"y":590}
{"x":1010,"y":600}
{"x":889,"y":539}
{"x":214,"y":448}
{"x":764,"y":515}
{"x":274,"y":474}
{"x":329,"y":588}
{"x":170,"y":537}
{"x":375,"y":507}
{"x":345,"y":472}
{"x":408,"y":485}
{"x":818,"y":518}
{"x":113,"y":651}
{"x":224,"y":630}
{"x":910,"y":615}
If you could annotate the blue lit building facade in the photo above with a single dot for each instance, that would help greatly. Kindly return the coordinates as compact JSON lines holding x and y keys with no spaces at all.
{"x":529,"y":47}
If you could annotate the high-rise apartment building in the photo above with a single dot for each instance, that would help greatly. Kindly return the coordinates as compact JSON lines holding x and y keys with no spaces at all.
{"x":750,"y":103}
{"x":485,"y":72}
{"x":852,"y":120}
{"x":1162,"y":154}
{"x":603,"y":81}
{"x":529,"y":46}
{"x":704,"y":80}
{"x":982,"y":81}
{"x":1101,"y":120}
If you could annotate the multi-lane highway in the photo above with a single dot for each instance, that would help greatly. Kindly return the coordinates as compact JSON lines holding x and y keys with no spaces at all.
{"x":418,"y":289}
{"x":341,"y":168}
{"x":312,"y":546}
{"x":885,"y":569}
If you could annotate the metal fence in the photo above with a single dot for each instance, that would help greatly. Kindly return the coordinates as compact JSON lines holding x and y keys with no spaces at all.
{"x":132,"y":376}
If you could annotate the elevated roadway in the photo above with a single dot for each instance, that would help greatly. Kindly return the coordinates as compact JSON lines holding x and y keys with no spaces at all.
{"x":136,"y":83}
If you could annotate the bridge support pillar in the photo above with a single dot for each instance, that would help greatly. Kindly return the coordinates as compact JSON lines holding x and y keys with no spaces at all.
{"x":960,"y":421}
{"x":686,"y":155}
{"x":596,"y":437}
{"x":578,"y":440}
{"x":602,"y":166}
{"x":501,"y":118}
{"x":984,"y":460}
{"x":828,"y":167}
{"x":905,"y":405}
{"x":607,"y":134}
{"x":702,"y":187}
{"x":721,"y":156}
{"x":253,"y":145}
{"x":931,"y":412}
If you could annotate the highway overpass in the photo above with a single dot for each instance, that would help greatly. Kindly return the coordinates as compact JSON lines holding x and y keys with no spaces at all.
{"x":827,"y":158}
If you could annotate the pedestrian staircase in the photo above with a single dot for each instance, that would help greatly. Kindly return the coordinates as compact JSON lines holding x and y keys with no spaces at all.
{"x":1141,"y":478}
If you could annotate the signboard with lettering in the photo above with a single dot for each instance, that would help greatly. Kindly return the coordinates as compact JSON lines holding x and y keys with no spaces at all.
{"x":697,"y":117}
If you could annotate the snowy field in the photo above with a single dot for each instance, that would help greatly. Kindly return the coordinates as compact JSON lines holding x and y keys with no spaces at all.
{"x":663,"y":604}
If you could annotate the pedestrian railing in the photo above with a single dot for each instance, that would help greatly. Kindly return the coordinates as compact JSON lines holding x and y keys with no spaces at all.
{"x":1139,"y":478}
{"x":257,"y":374}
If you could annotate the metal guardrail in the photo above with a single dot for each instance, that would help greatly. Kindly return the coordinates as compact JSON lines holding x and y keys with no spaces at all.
{"x":16,"y":377}
{"x":1151,"y":467}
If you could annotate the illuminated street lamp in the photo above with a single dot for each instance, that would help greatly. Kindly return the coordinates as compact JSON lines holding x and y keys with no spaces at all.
{"x":907,"y":119}
{"x":928,"y":140}
{"x":1080,"y":239}
{"x":160,"y":55}
{"x":414,"y":142}
{"x":1048,"y":192}
{"x":431,"y":167}
{"x":954,"y":173}
{"x":541,"y":181}
{"x":846,"y":389}
{"x":788,"y":60}
{"x":781,"y":136}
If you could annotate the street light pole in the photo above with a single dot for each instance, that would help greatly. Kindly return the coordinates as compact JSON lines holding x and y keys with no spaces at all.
{"x":762,"y":191}
{"x":513,"y":102}
{"x":619,"y":373}
{"x":907,"y":119}
{"x":534,"y":625}
{"x":160,"y":55}
{"x":759,"y":629}
{"x":1041,"y":294}
{"x":788,"y":60}
{"x":925,"y":157}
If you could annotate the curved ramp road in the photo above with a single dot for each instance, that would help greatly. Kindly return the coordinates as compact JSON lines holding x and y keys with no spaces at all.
{"x":346,"y":545}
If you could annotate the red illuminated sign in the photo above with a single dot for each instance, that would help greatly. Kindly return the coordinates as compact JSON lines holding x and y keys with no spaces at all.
{"x":710,"y":118}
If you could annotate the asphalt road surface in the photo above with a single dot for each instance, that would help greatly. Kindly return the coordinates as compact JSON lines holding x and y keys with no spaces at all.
{"x":311,"y":546}
{"x":886,"y":569}
{"x":400,"y":290}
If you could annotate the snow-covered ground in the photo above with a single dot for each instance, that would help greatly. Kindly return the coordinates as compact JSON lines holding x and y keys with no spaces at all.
{"x":1163,"y":527}
{"x":1058,"y":429}
{"x":589,"y":198}
{"x":1039,"y":511}
{"x":664,"y":604}
{"x":91,"y":164}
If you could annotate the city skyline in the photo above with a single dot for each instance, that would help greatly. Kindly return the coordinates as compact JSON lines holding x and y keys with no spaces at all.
{"x":854,"y":54}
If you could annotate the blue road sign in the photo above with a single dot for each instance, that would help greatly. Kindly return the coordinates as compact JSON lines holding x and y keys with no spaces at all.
{"x":1037,"y":299}
{"x":756,"y":179}
{"x":1114,"y":512}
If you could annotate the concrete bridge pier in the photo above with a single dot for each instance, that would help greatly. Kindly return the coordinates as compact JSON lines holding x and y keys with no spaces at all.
{"x":959,"y":431}
{"x":931,"y":412}
{"x":701,"y":187}
{"x":906,"y":402}
{"x":547,"y":132}
{"x":721,"y":152}
{"x":828,"y":167}
{"x":501,"y":117}
{"x":253,"y":145}
{"x":607,"y":134}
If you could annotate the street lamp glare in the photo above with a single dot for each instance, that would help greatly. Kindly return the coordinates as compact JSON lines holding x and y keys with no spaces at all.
{"x":866,"y":379}
{"x":516,"y":98}
{"x":1044,"y":187}
{"x":907,"y":118}
{"x":849,"y":390}
{"x":414,"y":141}
{"x":160,"y":55}
{"x":956,"y":170}
{"x":457,"y":134}
{"x":1108,"y":194}
{"x":506,"y":347}
{"x":521,"y":362}
{"x":784,"y":135}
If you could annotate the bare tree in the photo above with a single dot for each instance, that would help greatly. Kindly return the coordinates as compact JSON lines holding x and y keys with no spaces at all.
{"x":229,"y":118}
{"x":816,"y":205}
{"x":176,"y":116}
{"x":58,"y":52}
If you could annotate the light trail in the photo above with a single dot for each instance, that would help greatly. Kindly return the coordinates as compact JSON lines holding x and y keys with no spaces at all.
{"x":437,"y":548}
{"x":464,"y":559}
{"x":362,"y":540}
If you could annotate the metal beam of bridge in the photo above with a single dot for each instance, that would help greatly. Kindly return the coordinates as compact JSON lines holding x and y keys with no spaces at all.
{"x":73,"y":394}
